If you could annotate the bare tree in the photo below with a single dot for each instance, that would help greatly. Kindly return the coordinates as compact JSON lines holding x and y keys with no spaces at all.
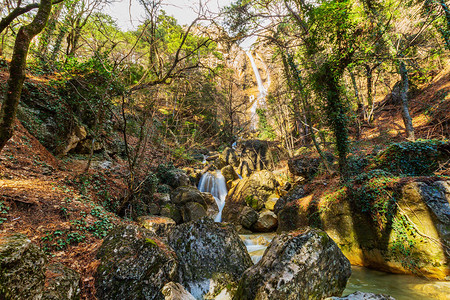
{"x":17,"y":70}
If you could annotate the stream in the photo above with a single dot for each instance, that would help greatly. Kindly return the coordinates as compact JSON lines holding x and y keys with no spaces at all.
{"x":401,"y":287}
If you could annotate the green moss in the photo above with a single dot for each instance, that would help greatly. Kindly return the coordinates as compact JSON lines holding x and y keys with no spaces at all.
{"x":417,"y":158}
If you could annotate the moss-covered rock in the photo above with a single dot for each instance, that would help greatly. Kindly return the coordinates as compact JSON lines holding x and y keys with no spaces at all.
{"x":206,"y":249}
{"x":253,"y":191}
{"x":297,"y":265}
{"x":418,"y":158}
{"x":22,"y":268}
{"x":393,"y":224}
{"x":134,"y":265}
{"x":193,"y":204}
{"x":171,"y":211}
{"x":62,"y":283}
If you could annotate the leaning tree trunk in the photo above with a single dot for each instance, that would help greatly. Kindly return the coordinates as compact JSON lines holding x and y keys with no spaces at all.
{"x":17,"y":70}
{"x":404,"y":97}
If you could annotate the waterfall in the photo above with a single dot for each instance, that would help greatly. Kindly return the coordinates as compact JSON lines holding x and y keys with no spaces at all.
{"x":214,"y":183}
{"x":262,"y":90}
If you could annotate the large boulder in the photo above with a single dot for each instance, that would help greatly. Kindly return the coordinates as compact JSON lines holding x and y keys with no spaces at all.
{"x":255,"y":155}
{"x":253,"y":191}
{"x":168,"y":174}
{"x":297,"y":265}
{"x":22,"y":268}
{"x":267,"y":222}
{"x":230,"y":157}
{"x":296,"y":192}
{"x":194,"y":204}
{"x":134,"y":264}
{"x":208,"y":252}
{"x":229,"y":174}
{"x":62,"y":283}
{"x":304,"y":166}
{"x":248,"y":217}
{"x":388,"y":224}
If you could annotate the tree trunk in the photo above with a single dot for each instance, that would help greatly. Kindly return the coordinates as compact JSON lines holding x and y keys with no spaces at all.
{"x":404,"y":97}
{"x":360,"y":108}
{"x":17,"y":70}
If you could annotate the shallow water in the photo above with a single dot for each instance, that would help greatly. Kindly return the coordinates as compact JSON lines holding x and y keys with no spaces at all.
{"x":401,"y":287}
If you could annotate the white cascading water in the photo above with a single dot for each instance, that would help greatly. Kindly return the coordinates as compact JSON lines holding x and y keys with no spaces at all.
{"x":261,"y":88}
{"x":215,"y":184}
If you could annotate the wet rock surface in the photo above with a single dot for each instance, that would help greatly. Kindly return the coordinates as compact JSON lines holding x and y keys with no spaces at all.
{"x":297,"y":265}
{"x":363,"y":296}
{"x":134,"y":265}
{"x":207,"y":250}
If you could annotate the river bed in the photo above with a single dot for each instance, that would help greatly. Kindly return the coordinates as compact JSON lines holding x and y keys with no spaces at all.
{"x":401,"y":287}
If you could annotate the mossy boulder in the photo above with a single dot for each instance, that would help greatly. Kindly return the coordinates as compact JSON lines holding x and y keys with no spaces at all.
{"x":253,"y":191}
{"x":62,"y":283}
{"x":393,"y":224}
{"x":304,"y":166}
{"x":168,"y":174}
{"x":208,"y":250}
{"x":22,"y":268}
{"x":230,"y":157}
{"x":193,"y":204}
{"x":418,"y":158}
{"x":229,"y":174}
{"x":134,"y":264}
{"x":248,"y":217}
{"x":170,"y":210}
{"x":297,"y":265}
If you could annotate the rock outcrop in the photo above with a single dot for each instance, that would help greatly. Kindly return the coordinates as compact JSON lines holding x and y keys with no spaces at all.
{"x":134,"y":265}
{"x":297,"y":265}
{"x":253,"y":191}
{"x":413,"y":237}
{"x":22,"y":268}
{"x":193,"y":204}
{"x":208,"y":252}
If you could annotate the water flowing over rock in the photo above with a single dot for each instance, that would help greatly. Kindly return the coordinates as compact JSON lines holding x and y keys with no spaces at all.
{"x":134,"y":265}
{"x":297,"y":265}
{"x":22,"y":268}
{"x":215,"y":184}
{"x":208,"y":252}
